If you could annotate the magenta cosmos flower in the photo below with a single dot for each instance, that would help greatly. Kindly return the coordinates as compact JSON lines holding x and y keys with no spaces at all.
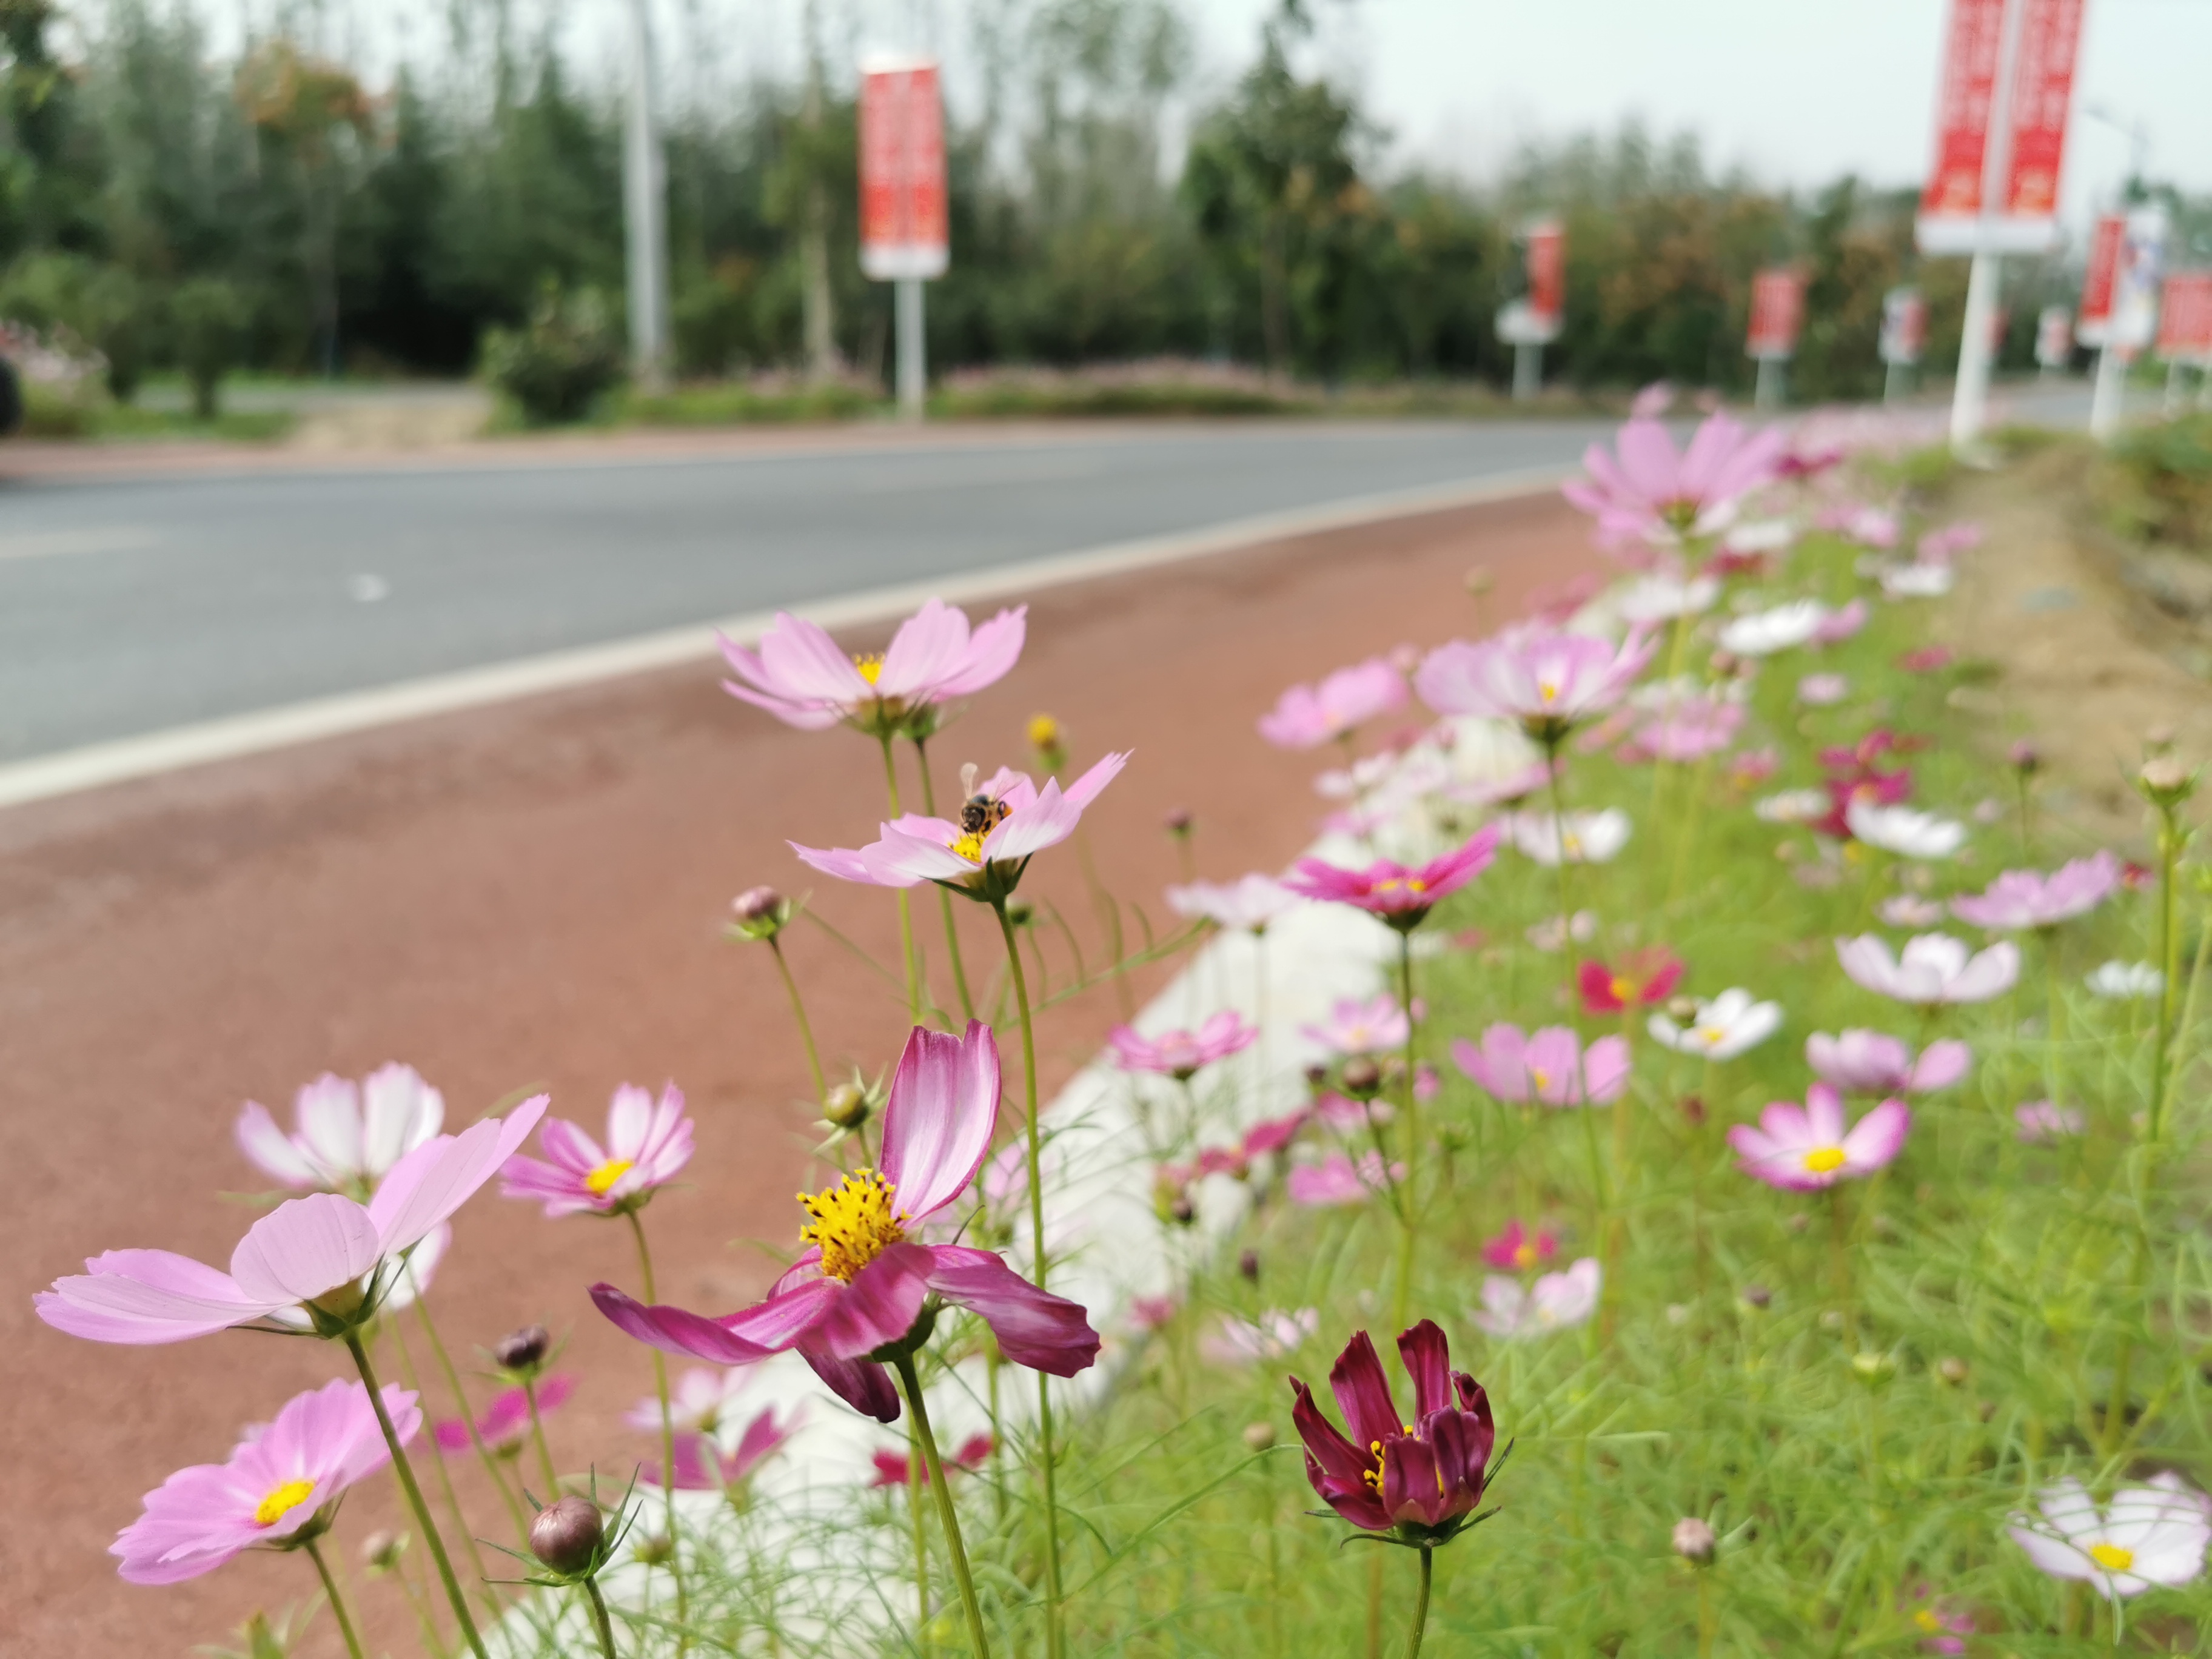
{"x":1252,"y":903}
{"x":1518,"y":1249}
{"x":1308,"y":715}
{"x":1873,"y":1063}
{"x":1422,"y":1479}
{"x":1645,"y":490}
{"x":702,"y":1465}
{"x":347,"y":1135}
{"x":864,"y":1281}
{"x":272,"y":1491}
{"x":648,"y":1144}
{"x":1182,"y":1054}
{"x":1004,"y":824}
{"x":1933,"y":968}
{"x":1369,"y":1027}
{"x":322,"y":1263}
{"x":506,"y":1420}
{"x":1337,"y":1180}
{"x":801,"y":677}
{"x":1802,"y":1149}
{"x":1550,"y":1066}
{"x":1550,"y":681}
{"x":2027,"y":898}
{"x":892,"y":1468}
{"x":1400,"y":895}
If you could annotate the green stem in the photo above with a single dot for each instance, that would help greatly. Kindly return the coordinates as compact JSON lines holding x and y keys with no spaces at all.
{"x":2169,"y":852}
{"x":414,"y":1491}
{"x":667,"y":1417}
{"x":954,"y":1549}
{"x":2053,"y":1012}
{"x":1839,"y":1262}
{"x":798,"y":1013}
{"x":1402,"y":1291}
{"x":1559,"y":835}
{"x":445,"y":1468}
{"x":905,"y":909}
{"x":545,"y":1468}
{"x":600,"y":1622}
{"x":1708,"y":1624}
{"x":469,"y":1420}
{"x":914,"y":1484}
{"x":1045,"y":1453}
{"x":1420,"y":1609}
{"x":337,"y":1601}
{"x":944,"y":898}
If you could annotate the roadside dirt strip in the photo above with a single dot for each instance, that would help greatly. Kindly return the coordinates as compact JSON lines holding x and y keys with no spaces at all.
{"x":531,"y":895}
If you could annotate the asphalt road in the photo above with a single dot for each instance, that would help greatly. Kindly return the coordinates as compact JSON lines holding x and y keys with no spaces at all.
{"x":129,"y":606}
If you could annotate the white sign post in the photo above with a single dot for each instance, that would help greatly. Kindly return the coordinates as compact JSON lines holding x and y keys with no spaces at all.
{"x":903,"y":228}
{"x":645,"y":206}
{"x":1533,"y":322}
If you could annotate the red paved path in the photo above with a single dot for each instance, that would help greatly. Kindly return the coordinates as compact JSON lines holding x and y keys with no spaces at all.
{"x":531,"y":895}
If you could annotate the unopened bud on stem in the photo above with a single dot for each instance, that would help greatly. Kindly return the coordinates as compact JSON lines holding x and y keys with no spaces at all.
{"x":523,"y":1350}
{"x":566,"y":1535}
{"x":1694,"y":1541}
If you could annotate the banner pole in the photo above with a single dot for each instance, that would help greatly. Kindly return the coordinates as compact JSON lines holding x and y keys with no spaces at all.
{"x":2107,"y":402}
{"x":913,"y":365}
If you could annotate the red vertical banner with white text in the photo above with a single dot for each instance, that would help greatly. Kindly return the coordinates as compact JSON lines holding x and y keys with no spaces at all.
{"x":2102,"y":281}
{"x":1973,"y":49}
{"x":903,"y":230}
{"x":2185,"y":318}
{"x":1548,"y":273}
{"x":1777,"y":312}
{"x":2042,"y":94}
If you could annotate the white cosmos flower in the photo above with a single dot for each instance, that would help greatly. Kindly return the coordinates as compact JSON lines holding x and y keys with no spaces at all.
{"x":1793,"y":806}
{"x":1556,"y":1302}
{"x":2153,"y":1535}
{"x":1274,"y":1335}
{"x":1763,"y":632}
{"x":1723,"y":1028}
{"x":1760,"y":536}
{"x":2125,"y":980}
{"x":1933,"y":968}
{"x":1662,"y":598}
{"x":1916,"y":581}
{"x":1580,"y":838}
{"x":1904,"y":831}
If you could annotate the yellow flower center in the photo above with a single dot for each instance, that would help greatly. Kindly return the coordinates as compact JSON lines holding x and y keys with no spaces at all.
{"x":969,"y":846}
{"x":601,"y":1181}
{"x":2112,"y":1557}
{"x":284,"y":1499}
{"x":1548,"y":692}
{"x":1623,"y":990}
{"x":1928,"y":1621}
{"x":1539,"y":1077}
{"x":1821,"y":1159}
{"x":1044,"y":732}
{"x":871,"y":667}
{"x":1711,"y":1035}
{"x":1573,"y":843}
{"x":1392,"y":884}
{"x":854,"y":1223}
{"x":1524,"y":1256}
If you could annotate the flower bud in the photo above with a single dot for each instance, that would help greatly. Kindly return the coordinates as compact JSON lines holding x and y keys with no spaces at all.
{"x":1317,"y":1078}
{"x":654,"y":1549}
{"x":2166,"y":781}
{"x":1952,"y":1369}
{"x":1178,"y":823}
{"x":1693,"y":1540}
{"x":1682,"y":1010}
{"x":1480,"y":580}
{"x":1248,"y":1264}
{"x":1020,"y":912}
{"x":2026,"y":757}
{"x":1756,"y":1295}
{"x":847,"y":1105}
{"x":566,"y":1535}
{"x":1363,"y":1077}
{"x":523,"y":1350}
{"x":1873,"y":1369}
{"x":1260,"y":1436}
{"x":761,"y":912}
{"x":1693,"y":1111}
{"x":1182,"y":1211}
{"x":380,"y":1551}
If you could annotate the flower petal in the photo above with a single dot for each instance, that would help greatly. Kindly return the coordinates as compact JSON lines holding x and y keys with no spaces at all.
{"x":303,"y":1247}
{"x":1034,"y":1328}
{"x":943,"y":1105}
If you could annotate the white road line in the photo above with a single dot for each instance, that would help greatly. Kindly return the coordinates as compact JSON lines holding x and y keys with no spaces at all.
{"x":96,"y":765}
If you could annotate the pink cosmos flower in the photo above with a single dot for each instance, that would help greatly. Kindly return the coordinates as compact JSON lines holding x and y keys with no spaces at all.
{"x":506,"y":1420}
{"x":648,"y":1146}
{"x":296,"y":1255}
{"x":1909,"y":910}
{"x":1651,"y":493}
{"x":1337,"y":1180}
{"x":2026,"y":898}
{"x":1556,"y":1302}
{"x":1517,"y":1250}
{"x":1803,"y":1149}
{"x":1686,"y":730}
{"x":1549,"y":682}
{"x":1182,"y":1054}
{"x":1252,"y":903}
{"x":1427,"y":1475}
{"x":277,"y":1481}
{"x":697,"y":1401}
{"x":1637,"y":980}
{"x":2040,"y":1122}
{"x":348,"y":1134}
{"x":1652,"y":402}
{"x":702,"y":1465}
{"x":1275,"y":1334}
{"x":1271,"y":1134}
{"x":1549,"y":1065}
{"x":1861,"y":1062}
{"x":1005,"y":822}
{"x":2149,"y":1536}
{"x":1941,"y":546}
{"x":801,"y":677}
{"x":1307,"y":716}
{"x":862,"y":1282}
{"x":1932,"y":969}
{"x":1840,"y":625}
{"x":1400,"y":895}
{"x":1373,"y":1027}
{"x":1823,"y":690}
{"x":1348,"y":1116}
{"x":892,"y":1468}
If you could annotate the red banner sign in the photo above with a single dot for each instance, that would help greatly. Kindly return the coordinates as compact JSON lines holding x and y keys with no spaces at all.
{"x":1777,"y":312}
{"x":2042,"y":92}
{"x":1972,"y":52}
{"x":902,"y":215}
{"x":1547,"y":273}
{"x":2184,"y":322}
{"x":2103,"y":279}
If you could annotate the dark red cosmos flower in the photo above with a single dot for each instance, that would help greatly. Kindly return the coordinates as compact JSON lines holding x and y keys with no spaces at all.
{"x":1421,"y":1479}
{"x":1637,"y":980}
